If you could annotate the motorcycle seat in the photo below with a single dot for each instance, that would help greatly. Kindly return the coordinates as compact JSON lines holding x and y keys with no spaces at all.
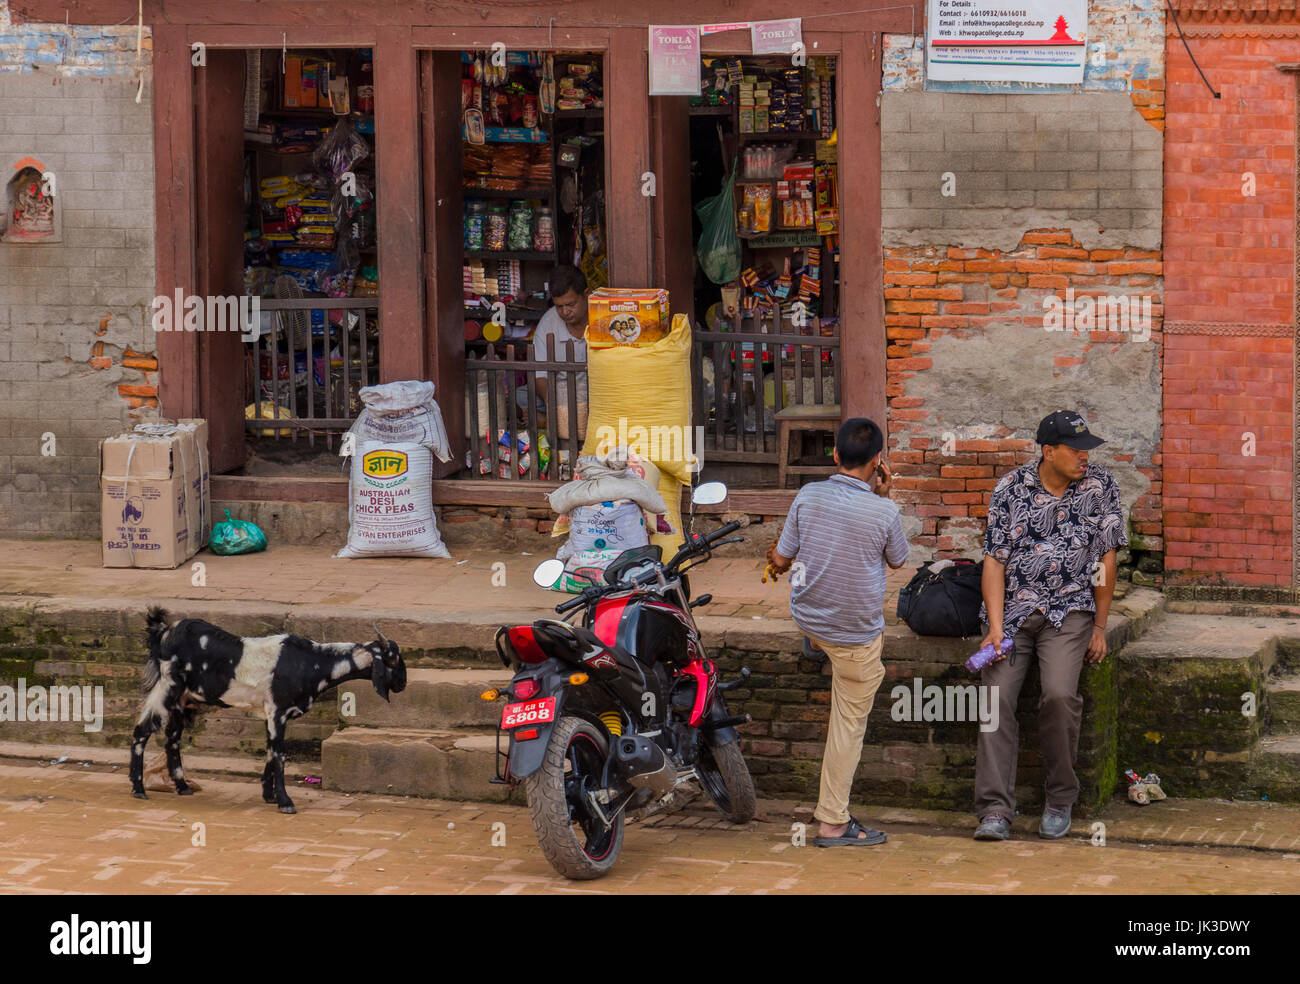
{"x":574,"y":643}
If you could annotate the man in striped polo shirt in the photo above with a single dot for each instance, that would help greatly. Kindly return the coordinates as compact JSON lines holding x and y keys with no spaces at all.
{"x":844,"y":534}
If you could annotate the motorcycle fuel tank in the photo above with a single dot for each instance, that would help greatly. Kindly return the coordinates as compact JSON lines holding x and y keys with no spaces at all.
{"x":646,"y":627}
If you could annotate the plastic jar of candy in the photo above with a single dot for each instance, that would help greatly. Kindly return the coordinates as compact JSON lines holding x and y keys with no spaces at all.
{"x":520,"y":234}
{"x":544,"y":237}
{"x":494,"y":228}
{"x":475,"y":213}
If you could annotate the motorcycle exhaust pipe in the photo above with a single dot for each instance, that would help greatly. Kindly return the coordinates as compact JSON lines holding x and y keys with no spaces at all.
{"x":639,"y":762}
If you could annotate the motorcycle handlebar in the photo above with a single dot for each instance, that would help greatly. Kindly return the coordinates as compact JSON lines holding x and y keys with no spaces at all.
{"x":690,"y":548}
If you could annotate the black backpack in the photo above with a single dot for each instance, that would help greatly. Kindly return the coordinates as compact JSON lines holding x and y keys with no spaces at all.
{"x":944,"y":602}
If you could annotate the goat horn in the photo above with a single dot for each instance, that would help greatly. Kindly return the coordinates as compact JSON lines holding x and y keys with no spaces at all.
{"x":378,"y":633}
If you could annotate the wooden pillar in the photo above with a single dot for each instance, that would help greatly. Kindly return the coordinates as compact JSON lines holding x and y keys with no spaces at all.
{"x":628,"y":213}
{"x":402,"y":346}
{"x":444,"y":317}
{"x":174,"y":218}
{"x":862,"y":312}
{"x":219,"y":170}
{"x":673,"y":246}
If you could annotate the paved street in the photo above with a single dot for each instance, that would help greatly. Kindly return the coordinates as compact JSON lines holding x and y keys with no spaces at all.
{"x":71,"y":829}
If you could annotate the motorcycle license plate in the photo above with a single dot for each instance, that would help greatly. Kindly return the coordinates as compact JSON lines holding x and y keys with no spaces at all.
{"x":529,"y":712}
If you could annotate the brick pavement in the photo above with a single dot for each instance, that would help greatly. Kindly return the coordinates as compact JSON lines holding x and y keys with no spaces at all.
{"x":295,"y":575}
{"x":69,"y":829}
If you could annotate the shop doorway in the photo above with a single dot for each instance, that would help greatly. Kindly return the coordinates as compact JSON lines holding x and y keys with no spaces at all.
{"x":532,"y":188}
{"x":310,"y":253}
{"x":284,"y":167}
{"x":767,"y":334}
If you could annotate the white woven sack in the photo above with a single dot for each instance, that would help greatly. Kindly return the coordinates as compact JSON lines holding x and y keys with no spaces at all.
{"x":405,"y":412}
{"x":390,"y":502}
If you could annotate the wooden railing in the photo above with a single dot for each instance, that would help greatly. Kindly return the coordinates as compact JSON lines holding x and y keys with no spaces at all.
{"x":731,"y":369}
{"x":317,"y":398}
{"x":501,"y":391}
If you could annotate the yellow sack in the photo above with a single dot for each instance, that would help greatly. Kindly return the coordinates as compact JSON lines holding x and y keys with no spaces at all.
{"x":270,"y":411}
{"x":671,"y":490}
{"x":640,"y":398}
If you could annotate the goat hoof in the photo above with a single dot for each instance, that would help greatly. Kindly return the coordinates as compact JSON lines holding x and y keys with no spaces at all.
{"x":184,"y":791}
{"x":287,"y":808}
{"x":139,"y":794}
{"x":268,"y":799}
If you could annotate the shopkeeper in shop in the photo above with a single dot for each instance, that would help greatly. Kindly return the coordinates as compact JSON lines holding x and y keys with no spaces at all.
{"x":565,"y":322}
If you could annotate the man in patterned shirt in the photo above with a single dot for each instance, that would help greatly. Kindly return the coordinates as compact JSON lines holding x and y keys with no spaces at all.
{"x":1049,"y":573}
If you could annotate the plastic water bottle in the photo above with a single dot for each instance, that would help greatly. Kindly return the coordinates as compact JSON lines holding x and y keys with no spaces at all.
{"x":985,"y":655}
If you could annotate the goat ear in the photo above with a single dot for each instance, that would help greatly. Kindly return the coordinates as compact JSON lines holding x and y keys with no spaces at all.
{"x":379,"y":676}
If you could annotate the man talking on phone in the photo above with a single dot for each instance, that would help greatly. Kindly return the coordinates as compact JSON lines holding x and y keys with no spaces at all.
{"x":1049,"y":574}
{"x":844,"y":533}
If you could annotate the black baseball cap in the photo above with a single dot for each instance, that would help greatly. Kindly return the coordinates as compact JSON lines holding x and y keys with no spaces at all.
{"x":1068,"y":428}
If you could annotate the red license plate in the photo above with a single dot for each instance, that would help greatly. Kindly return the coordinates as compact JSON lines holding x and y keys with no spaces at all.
{"x":529,"y":712}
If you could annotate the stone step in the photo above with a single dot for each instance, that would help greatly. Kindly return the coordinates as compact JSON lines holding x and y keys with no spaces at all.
{"x":1284,"y":703}
{"x":1275,"y":771}
{"x":433,"y":699}
{"x":409,"y":762}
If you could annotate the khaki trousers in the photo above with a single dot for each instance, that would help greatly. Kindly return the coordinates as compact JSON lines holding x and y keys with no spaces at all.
{"x":856,"y":674}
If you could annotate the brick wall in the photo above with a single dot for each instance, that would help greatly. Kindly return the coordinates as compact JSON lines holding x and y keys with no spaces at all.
{"x":1228,"y":516}
{"x":1051,"y":196}
{"x":987,"y":303}
{"x":1229,"y":298}
{"x":75,"y":349}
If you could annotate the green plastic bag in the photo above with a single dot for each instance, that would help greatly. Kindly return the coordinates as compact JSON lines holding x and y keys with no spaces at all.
{"x":719,"y":246}
{"x":236,"y":536}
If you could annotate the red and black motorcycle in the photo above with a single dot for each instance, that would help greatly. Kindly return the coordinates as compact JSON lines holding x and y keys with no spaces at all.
{"x":616,"y":713}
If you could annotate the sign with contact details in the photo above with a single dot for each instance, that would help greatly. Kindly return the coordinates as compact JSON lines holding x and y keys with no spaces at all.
{"x":1006,"y":40}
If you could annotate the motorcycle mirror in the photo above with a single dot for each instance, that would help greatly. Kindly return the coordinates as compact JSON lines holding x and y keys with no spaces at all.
{"x":548,"y":572}
{"x":709,"y":494}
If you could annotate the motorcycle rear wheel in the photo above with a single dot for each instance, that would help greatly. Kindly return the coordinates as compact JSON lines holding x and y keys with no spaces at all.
{"x":572,"y":838}
{"x":725,"y":777}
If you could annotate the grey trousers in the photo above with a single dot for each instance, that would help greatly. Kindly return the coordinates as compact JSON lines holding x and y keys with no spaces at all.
{"x":1060,"y":654}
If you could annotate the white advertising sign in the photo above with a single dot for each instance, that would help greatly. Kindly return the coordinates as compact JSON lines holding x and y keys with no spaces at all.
{"x":1006,"y":40}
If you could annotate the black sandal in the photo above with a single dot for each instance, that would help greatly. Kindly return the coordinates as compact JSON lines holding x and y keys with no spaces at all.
{"x":850,"y":837}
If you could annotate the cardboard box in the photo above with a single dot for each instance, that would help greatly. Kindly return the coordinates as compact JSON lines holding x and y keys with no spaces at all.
{"x":292,"y":82}
{"x":155,"y":498}
{"x":627,"y":316}
{"x":202,"y":487}
{"x":308,"y":91}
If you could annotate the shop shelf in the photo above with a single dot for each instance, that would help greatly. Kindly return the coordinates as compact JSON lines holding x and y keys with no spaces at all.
{"x":543,"y":193}
{"x":712,"y":110}
{"x":780,"y":135}
{"x":506,"y":254}
{"x":577,"y":114}
{"x":781,"y":239}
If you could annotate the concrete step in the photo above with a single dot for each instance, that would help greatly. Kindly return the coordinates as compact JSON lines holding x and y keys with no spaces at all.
{"x":454,"y":765}
{"x":1284,"y":703}
{"x":432,"y":699}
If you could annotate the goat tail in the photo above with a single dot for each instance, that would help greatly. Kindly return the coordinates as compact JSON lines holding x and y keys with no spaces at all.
{"x":156,"y":621}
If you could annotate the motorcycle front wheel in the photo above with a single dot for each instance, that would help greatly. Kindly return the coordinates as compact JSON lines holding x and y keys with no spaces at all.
{"x":725,"y":777}
{"x":571,"y":836}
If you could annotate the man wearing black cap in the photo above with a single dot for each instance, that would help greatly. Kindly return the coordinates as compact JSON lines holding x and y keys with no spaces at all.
{"x":1049,"y":573}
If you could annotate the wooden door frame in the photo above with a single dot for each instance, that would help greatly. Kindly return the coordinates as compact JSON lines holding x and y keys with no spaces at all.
{"x":633,"y":225}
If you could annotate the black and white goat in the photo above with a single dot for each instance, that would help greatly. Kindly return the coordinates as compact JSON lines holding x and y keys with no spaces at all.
{"x":193,"y":663}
